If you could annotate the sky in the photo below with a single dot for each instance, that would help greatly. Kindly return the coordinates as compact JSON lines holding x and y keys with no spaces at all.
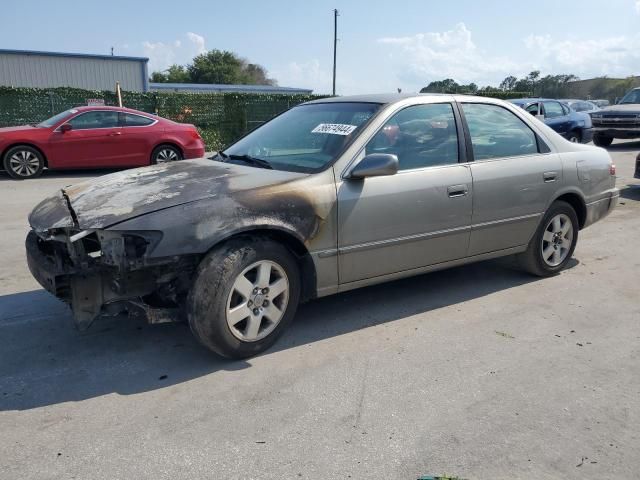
{"x":383,"y":44}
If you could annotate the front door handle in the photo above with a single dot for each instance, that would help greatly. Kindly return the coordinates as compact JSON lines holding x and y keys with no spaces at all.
{"x":550,"y":176}
{"x":115,"y":134}
{"x":457,"y":191}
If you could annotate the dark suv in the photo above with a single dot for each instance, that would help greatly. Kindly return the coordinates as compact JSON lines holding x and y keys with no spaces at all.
{"x":618,"y":121}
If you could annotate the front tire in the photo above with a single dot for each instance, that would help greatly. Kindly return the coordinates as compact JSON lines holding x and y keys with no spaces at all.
{"x":165,"y":154}
{"x":575,"y":136}
{"x":602,"y":141}
{"x":553,"y":243}
{"x":23,"y":161}
{"x":245,"y":294}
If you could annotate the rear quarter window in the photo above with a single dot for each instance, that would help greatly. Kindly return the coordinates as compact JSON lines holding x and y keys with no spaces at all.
{"x":132,"y":120}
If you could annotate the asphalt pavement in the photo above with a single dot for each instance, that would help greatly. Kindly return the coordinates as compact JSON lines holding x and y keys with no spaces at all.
{"x":480,"y":372}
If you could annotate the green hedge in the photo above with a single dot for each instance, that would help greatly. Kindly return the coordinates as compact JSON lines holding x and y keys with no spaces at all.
{"x":220,"y":117}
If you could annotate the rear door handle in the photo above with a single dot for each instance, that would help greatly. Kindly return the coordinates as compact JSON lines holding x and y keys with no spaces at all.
{"x":115,"y":134}
{"x":457,"y":191}
{"x":550,"y":176}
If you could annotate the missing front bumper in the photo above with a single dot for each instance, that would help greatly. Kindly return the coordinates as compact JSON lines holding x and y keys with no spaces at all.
{"x":92,"y":290}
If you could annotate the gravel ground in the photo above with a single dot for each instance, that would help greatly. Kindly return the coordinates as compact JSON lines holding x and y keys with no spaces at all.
{"x":479,"y":372}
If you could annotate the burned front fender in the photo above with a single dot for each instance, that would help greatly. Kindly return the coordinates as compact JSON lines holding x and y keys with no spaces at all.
{"x":303,"y":208}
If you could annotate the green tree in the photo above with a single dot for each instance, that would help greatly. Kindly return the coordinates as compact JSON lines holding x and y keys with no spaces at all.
{"x":447,"y":85}
{"x":173,"y":74}
{"x":508,"y":84}
{"x":215,"y":66}
{"x":218,"y":66}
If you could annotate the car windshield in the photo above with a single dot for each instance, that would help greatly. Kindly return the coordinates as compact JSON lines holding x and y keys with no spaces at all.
{"x":632,"y":97}
{"x":304,"y":139}
{"x":56,"y":118}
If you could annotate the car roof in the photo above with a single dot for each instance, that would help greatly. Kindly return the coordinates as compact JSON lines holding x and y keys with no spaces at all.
{"x":382,"y":98}
{"x":85,"y":108}
{"x":524,"y":101}
{"x":575,"y":100}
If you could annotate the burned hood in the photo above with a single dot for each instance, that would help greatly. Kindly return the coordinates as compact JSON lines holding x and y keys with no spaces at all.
{"x":121,"y":196}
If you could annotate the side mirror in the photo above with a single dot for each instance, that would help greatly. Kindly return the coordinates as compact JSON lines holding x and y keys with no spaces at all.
{"x":617,"y":100}
{"x":65,"y":127}
{"x":375,"y":165}
{"x":540,"y":117}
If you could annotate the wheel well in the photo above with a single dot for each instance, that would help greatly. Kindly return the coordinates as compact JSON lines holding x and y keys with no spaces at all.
{"x":23,"y":144}
{"x":578,"y":205}
{"x":170,"y":144}
{"x":296,"y":247}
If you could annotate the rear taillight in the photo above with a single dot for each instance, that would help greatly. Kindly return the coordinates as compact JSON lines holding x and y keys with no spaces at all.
{"x":612,"y":169}
{"x":195,"y":134}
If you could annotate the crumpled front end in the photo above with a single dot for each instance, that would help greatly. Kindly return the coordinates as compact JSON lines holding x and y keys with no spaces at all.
{"x":101,"y":271}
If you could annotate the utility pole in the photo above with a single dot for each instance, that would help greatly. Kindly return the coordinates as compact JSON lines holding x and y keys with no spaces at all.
{"x":335,"y":46}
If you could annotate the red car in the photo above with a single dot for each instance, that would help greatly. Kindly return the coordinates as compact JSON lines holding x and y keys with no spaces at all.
{"x":96,"y":137}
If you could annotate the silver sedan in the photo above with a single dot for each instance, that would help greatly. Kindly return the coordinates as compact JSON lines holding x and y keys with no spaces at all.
{"x":332,"y":195}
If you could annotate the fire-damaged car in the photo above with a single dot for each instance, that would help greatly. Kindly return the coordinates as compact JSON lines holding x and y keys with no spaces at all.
{"x":331,"y":195}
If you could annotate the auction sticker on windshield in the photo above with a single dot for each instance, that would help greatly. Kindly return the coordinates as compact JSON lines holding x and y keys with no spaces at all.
{"x":334,"y":128}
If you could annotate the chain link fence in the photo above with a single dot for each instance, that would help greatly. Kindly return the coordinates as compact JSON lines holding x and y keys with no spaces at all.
{"x":220,"y":117}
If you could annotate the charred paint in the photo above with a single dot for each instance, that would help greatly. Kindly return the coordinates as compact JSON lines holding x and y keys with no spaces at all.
{"x":51,"y":213}
{"x":194,"y":204}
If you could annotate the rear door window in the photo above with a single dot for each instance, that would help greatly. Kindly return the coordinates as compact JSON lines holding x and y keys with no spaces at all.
{"x":496,"y":132}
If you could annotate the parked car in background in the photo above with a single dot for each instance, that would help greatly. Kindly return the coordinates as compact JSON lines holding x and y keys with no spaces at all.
{"x":601,"y":103}
{"x":574,"y":126}
{"x":332,"y":195}
{"x":618,"y":121}
{"x":96,"y":137}
{"x":581,"y":105}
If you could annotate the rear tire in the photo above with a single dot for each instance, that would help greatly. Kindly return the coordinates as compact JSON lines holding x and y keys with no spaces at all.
{"x":245,"y":294}
{"x":22,"y":162}
{"x":165,"y":154}
{"x":554,"y":242}
{"x":602,"y":141}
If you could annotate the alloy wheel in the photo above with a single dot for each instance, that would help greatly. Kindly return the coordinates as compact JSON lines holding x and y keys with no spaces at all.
{"x":257,"y":301}
{"x":24,"y":163}
{"x":557,"y":240}
{"x":166,"y":155}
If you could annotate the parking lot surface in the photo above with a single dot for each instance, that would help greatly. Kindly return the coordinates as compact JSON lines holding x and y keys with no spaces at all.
{"x":479,"y":372}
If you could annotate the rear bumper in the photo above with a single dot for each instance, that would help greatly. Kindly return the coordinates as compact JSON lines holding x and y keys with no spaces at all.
{"x":194,"y":150}
{"x":602,"y":207}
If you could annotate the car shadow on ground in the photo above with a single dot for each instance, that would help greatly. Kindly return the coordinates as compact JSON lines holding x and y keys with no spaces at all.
{"x":624,"y":146}
{"x":45,"y":361}
{"x":630,"y":192}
